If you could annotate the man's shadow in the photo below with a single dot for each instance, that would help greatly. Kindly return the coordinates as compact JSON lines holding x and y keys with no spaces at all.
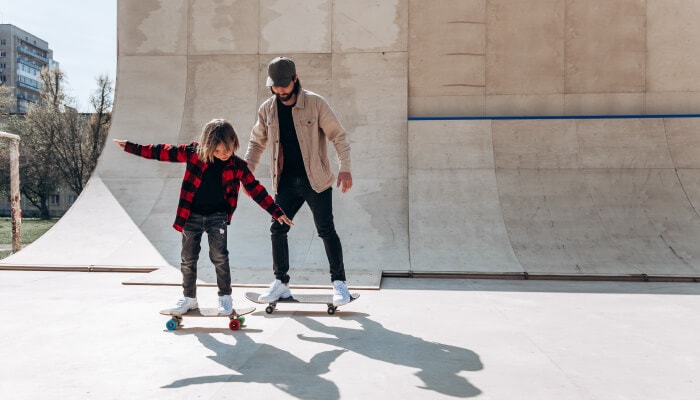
{"x":267,"y":364}
{"x":439,"y":364}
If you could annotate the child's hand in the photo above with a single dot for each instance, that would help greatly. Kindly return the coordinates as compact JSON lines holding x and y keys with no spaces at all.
{"x":121,"y":143}
{"x":285,"y":220}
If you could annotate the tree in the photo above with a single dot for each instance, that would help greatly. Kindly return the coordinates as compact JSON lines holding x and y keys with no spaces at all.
{"x":76,"y":140}
{"x":59,"y":145}
{"x":7,"y":100}
{"x":101,"y":119}
{"x":39,"y":177}
{"x":55,"y":118}
{"x":6,"y":97}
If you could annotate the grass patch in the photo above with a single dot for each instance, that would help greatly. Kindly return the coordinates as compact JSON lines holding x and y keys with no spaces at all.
{"x":31,"y":229}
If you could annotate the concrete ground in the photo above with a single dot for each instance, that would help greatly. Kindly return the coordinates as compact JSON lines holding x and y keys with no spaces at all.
{"x":78,"y":335}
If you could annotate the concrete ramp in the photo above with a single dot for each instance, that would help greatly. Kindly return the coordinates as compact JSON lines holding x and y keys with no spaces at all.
{"x":594,"y":198}
{"x":567,"y":197}
{"x":178,"y":69}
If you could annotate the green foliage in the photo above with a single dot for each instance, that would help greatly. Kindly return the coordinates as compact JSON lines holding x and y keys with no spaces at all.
{"x":32,"y":229}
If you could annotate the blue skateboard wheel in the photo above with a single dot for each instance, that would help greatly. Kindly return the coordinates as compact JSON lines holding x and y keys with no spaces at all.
{"x":171,"y":325}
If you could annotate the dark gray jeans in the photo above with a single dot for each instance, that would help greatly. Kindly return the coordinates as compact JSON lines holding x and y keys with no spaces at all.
{"x":292,"y":193}
{"x":215,"y":227}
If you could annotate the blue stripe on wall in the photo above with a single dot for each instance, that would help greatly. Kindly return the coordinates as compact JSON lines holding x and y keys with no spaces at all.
{"x":527,"y":117}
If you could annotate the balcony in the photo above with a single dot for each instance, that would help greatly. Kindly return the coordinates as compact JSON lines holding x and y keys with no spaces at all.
{"x":29,"y":63}
{"x":28,"y":87}
{"x":27,"y":51}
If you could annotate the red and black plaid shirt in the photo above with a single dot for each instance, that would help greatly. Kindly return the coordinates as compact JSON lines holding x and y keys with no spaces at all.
{"x":235,"y":172}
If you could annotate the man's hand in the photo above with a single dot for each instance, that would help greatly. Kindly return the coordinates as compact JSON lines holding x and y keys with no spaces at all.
{"x":344,"y":181}
{"x":120,"y":143}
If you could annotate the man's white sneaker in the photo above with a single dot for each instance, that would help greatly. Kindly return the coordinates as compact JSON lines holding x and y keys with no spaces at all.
{"x":276,"y":291}
{"x":225,"y":305}
{"x":341,"y":295}
{"x":184,"y":304}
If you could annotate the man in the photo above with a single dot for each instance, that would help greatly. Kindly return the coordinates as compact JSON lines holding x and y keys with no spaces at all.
{"x":297,"y":123}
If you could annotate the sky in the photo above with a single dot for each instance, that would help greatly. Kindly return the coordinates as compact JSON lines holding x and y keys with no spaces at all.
{"x":81,"y":33}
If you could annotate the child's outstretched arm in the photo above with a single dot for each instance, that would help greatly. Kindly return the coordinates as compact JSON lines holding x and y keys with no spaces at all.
{"x":160,"y":152}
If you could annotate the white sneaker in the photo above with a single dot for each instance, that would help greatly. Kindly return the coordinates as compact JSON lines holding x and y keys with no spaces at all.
{"x":225,"y":305}
{"x":341,"y":295}
{"x":276,"y":291}
{"x":184,"y":304}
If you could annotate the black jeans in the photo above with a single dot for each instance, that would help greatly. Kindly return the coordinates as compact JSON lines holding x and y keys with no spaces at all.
{"x":215,"y":227}
{"x":292,"y":192}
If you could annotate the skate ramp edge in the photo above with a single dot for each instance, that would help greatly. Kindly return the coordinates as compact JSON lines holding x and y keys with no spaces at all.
{"x":96,"y":234}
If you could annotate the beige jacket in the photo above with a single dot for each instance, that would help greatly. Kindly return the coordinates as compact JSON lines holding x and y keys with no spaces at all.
{"x":315,"y":123}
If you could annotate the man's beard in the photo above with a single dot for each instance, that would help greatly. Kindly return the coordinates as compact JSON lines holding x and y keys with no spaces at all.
{"x":284,"y":97}
{"x":288,"y":96}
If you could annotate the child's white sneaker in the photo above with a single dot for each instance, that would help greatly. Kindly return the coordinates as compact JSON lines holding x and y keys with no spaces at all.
{"x":184,"y":304}
{"x":341,"y":295}
{"x":276,"y":291}
{"x":225,"y":305}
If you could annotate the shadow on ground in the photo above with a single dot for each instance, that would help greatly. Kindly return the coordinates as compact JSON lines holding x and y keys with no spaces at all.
{"x":439,"y":365}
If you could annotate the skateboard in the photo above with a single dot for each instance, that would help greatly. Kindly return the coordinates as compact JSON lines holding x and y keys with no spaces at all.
{"x":236,"y":318}
{"x":326,"y":299}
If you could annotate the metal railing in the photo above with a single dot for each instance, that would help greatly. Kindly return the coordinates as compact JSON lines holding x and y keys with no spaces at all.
{"x":27,"y":51}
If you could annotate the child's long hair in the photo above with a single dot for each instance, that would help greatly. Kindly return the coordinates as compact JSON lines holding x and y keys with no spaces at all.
{"x":215,"y":132}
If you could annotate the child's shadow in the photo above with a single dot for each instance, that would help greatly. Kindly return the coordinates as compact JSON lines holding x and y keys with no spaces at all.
{"x":439,"y":364}
{"x":267,"y":364}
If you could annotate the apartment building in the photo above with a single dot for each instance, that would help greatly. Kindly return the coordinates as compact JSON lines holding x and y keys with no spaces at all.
{"x":22,"y":56}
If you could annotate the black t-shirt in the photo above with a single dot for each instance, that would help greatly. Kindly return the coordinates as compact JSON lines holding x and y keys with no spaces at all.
{"x":209,"y":198}
{"x":293,"y":160}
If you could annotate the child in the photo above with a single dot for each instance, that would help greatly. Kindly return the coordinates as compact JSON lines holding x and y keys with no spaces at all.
{"x":208,"y":198}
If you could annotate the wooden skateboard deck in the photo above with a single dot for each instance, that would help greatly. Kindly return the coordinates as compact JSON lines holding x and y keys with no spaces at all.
{"x":236,"y":318}
{"x":326,"y":299}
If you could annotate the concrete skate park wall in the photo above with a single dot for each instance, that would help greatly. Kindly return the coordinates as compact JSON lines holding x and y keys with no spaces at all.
{"x":564,"y":195}
{"x":433,"y":192}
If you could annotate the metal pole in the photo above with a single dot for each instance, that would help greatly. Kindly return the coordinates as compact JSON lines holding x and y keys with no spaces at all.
{"x":14,"y":191}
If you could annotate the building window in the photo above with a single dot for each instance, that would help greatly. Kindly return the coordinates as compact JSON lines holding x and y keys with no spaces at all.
{"x":55,"y":199}
{"x":71,"y":199}
{"x":2,"y":54}
{"x":2,"y":42}
{"x":3,"y":78}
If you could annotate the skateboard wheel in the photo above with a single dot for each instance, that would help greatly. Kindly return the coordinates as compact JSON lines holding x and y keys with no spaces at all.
{"x":241,"y":319}
{"x":234,"y":325}
{"x":269,"y":309}
{"x":171,"y":325}
{"x":331,"y":310}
